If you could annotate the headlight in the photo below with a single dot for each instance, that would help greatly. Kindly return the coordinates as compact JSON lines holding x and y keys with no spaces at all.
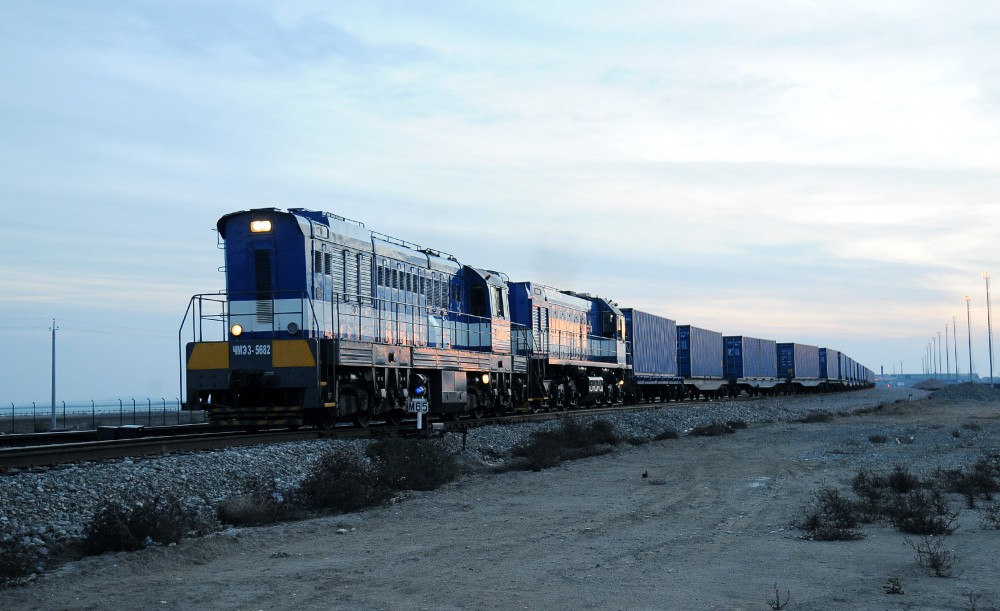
{"x":260,"y":226}
{"x":486,"y":378}
{"x":236,"y":330}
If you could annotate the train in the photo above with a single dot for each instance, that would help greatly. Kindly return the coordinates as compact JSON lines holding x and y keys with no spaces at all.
{"x":324,"y":321}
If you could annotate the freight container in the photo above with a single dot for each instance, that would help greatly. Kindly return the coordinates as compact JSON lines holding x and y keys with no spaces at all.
{"x":699,"y":352}
{"x":798,"y":361}
{"x":749,"y":357}
{"x":829,"y":364}
{"x":652,"y":343}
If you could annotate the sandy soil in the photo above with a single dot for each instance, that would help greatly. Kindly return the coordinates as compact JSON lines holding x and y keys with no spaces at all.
{"x":709,"y":528}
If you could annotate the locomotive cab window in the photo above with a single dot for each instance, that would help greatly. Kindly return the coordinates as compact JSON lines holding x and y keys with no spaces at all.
{"x":478,"y":299}
{"x":498,"y":300}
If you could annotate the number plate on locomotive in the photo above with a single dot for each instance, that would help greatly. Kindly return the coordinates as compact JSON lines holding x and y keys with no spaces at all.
{"x":250,"y":354}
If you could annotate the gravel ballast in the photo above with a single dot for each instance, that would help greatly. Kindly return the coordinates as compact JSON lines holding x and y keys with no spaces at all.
{"x":52,"y":505}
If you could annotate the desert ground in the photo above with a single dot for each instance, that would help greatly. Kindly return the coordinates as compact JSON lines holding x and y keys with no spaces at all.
{"x":709,"y":527}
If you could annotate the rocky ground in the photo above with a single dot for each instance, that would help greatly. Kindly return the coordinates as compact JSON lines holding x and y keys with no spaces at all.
{"x":708,"y":527}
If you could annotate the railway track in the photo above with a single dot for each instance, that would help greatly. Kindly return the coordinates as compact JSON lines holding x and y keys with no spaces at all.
{"x":44,"y":449}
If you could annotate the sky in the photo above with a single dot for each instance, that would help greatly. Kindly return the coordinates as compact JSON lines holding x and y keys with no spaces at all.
{"x":824,"y":173}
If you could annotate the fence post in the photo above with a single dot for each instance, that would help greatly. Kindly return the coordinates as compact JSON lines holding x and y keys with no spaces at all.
{"x":121,"y":410}
{"x":149,"y":411}
{"x":33,"y":415}
{"x":12,"y":410}
{"x":65,"y":425}
{"x":133,"y":410}
{"x":164,"y":411}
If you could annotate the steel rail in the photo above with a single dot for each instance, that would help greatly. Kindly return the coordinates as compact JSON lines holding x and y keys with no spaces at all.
{"x":81,"y":451}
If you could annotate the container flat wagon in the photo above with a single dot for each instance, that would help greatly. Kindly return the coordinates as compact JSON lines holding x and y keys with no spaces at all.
{"x":798,"y":364}
{"x":699,"y":361}
{"x":652,"y":354}
{"x":750,"y":365}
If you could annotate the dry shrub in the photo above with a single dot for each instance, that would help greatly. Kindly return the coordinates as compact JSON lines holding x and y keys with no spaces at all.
{"x":261,"y":502}
{"x":412,"y":464}
{"x":932,"y":556}
{"x":832,"y":517}
{"x":714,"y":429}
{"x":667,"y":434}
{"x":922,"y":512}
{"x":978,"y":481}
{"x":571,"y":441}
{"x":18,"y":557}
{"x":343,"y":481}
{"x":815,"y":416}
{"x":134,"y":523}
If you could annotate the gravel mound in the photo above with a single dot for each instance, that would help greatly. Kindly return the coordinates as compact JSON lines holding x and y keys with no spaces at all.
{"x":968,"y":391}
{"x":931,"y":384}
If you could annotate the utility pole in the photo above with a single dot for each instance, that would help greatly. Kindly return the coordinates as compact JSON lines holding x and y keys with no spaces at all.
{"x":954,"y":333}
{"x":54,"y":329}
{"x":938,"y":370}
{"x":989,"y":324}
{"x":947,"y":353}
{"x":968,"y":319}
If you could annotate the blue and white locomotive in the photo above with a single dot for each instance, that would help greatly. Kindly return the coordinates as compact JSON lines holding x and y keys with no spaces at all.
{"x":323,"y":320}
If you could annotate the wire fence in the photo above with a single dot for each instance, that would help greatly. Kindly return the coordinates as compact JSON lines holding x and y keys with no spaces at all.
{"x":88,"y":415}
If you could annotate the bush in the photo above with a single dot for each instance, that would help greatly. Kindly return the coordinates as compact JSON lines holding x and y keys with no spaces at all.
{"x":343,"y":481}
{"x":714,"y":429}
{"x":872,"y":489}
{"x":991,"y":516}
{"x":932,"y":556}
{"x":667,"y":434}
{"x":815,"y":416}
{"x":878,"y":438}
{"x":18,"y":558}
{"x":260,"y":503}
{"x":572,"y":440}
{"x":902,"y":481}
{"x":978,"y":481}
{"x":736,"y":424}
{"x":922,"y":512}
{"x":132,"y":524}
{"x":832,"y":517}
{"x":412,"y":464}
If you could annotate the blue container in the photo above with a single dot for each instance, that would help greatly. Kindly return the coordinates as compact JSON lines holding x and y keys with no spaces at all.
{"x":652,"y":342}
{"x":749,"y":357}
{"x":829,"y":364}
{"x":699,"y":352}
{"x":798,"y":361}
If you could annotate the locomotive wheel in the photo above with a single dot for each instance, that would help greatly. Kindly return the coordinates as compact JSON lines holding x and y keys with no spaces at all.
{"x":474,"y":406}
{"x":362,"y":418}
{"x":572,"y":397}
{"x":558,"y":402}
{"x":327,"y":422}
{"x":394,"y":416}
